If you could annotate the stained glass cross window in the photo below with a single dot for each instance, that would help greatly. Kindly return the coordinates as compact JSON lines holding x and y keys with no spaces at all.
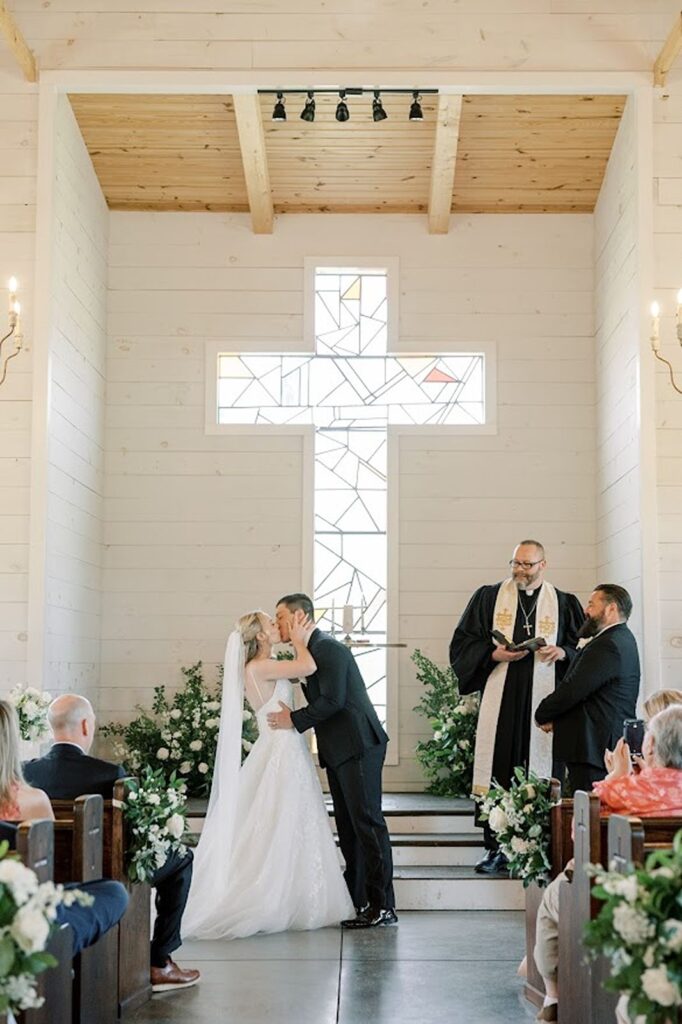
{"x":351,"y":389}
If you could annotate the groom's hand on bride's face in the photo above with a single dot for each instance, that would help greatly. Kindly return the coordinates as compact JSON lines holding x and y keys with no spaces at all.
{"x":280,"y":719}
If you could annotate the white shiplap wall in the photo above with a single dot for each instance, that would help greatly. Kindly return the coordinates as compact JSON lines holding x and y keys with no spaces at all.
{"x":668,"y":278}
{"x":18,"y":111}
{"x":200,"y":528}
{"x":75,"y":481}
{"x":619,"y":548}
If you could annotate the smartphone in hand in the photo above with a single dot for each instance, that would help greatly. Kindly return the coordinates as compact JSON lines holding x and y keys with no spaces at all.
{"x":633,"y":734}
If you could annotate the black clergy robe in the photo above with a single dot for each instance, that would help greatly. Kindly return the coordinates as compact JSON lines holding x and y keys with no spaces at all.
{"x":471,"y":651}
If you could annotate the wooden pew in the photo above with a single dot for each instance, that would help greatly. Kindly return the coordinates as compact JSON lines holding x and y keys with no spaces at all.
{"x":581,"y":995}
{"x":35,"y":846}
{"x":79,"y":844}
{"x":134,"y":930}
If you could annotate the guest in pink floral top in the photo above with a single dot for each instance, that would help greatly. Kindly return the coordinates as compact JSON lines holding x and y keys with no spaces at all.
{"x":657,"y":788}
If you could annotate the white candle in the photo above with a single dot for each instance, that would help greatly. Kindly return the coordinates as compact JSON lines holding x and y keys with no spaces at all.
{"x":348,"y":618}
{"x":333,"y":618}
{"x":362,"y":616}
{"x":655,"y":326}
{"x":17,"y":318}
{"x":12,"y":287}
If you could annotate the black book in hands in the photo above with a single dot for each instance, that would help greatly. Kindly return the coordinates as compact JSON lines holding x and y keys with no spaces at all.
{"x":533,"y":644}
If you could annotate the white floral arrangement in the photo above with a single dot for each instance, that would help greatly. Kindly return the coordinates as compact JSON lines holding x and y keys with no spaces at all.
{"x":520,"y":819}
{"x":639,"y":929}
{"x":31,"y":707}
{"x":28,"y":912}
{"x":155,"y":813}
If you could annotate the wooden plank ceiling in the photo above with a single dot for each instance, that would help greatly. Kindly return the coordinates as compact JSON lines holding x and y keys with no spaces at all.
{"x":514,"y":154}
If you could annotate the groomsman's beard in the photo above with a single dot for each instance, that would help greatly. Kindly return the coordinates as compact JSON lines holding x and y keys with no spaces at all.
{"x":589,"y":628}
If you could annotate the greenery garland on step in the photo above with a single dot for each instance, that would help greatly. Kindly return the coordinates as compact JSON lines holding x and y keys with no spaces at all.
{"x":447,"y":758}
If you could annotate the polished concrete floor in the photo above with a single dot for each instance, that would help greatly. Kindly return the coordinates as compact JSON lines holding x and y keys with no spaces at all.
{"x":436,"y":967}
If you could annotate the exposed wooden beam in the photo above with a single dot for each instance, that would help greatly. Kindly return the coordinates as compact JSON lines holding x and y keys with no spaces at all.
{"x":17,"y":44}
{"x":254,"y":158}
{"x":668,"y":55}
{"x":443,"y":164}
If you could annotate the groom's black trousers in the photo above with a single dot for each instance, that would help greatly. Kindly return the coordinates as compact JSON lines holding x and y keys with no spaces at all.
{"x":355,"y":787}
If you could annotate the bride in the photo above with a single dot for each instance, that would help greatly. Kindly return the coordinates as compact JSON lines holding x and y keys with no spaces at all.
{"x":266,"y":860}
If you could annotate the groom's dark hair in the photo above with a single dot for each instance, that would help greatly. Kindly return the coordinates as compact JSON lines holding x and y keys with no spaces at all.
{"x":294,"y":602}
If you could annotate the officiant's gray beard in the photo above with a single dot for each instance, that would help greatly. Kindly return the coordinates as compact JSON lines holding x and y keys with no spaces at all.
{"x":526,"y":581}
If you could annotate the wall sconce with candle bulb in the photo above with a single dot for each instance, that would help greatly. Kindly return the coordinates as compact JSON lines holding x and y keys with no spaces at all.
{"x":14,"y":324}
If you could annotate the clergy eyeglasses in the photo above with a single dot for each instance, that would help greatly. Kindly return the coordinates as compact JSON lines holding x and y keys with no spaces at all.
{"x":523,"y":565}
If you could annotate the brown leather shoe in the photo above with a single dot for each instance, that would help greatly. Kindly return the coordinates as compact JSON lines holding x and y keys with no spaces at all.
{"x":550,"y":1012}
{"x":171,"y":978}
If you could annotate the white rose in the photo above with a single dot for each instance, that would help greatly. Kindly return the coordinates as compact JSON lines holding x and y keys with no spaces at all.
{"x":530,"y":790}
{"x":30,"y":709}
{"x":659,"y":988}
{"x":30,"y":930}
{"x":162,"y":753}
{"x":438,"y":735}
{"x":154,"y":799}
{"x":246,"y":715}
{"x":132,"y":797}
{"x":176,"y":713}
{"x":212,"y":705}
{"x":464,"y":744}
{"x":21,"y":881}
{"x":175,"y":825}
{"x":631,"y":925}
{"x":498,"y":820}
{"x":212,"y":723}
{"x":185,"y":768}
{"x":31,"y":691}
{"x":246,"y":745}
{"x":196,"y":745}
{"x":47,"y":697}
{"x":519,"y":845}
{"x":203,"y":767}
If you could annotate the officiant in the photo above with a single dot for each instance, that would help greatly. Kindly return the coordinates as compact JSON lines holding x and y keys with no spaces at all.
{"x":513,"y":683}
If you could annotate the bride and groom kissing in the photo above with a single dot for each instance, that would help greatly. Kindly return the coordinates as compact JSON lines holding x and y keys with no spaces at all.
{"x":266,"y":860}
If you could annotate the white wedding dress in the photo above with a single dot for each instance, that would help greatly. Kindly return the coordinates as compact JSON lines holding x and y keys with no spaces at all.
{"x":283,"y":871}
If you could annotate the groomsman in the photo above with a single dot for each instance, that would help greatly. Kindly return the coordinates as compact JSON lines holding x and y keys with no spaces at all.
{"x":586,"y":712}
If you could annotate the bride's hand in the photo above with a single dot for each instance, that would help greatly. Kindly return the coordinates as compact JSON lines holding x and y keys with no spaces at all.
{"x":301,"y":629}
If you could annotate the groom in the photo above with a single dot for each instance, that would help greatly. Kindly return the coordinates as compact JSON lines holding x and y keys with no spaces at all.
{"x":352,"y":747}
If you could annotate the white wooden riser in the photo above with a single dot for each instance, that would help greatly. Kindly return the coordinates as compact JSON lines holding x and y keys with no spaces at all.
{"x":437,"y":855}
{"x":430,"y":824}
{"x":458,"y":894}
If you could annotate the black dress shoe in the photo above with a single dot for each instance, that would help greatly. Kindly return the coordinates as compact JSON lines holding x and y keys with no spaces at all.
{"x":494,"y":863}
{"x":372,"y":917}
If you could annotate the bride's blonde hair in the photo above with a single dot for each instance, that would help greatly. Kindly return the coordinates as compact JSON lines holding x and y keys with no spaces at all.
{"x":250,"y":625}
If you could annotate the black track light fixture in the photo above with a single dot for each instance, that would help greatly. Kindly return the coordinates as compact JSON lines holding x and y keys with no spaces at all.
{"x":342,"y":111}
{"x":278,"y":111}
{"x":308,"y":112}
{"x":416,"y":112}
{"x":378,"y":112}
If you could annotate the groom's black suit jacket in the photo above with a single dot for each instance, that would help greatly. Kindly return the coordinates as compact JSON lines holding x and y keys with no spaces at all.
{"x":339,"y":708}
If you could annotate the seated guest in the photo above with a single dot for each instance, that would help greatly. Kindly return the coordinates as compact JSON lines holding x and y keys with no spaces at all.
{"x":659,"y":701}
{"x":87,"y":923}
{"x":657,"y":789}
{"x":66,"y":772}
{"x":18,"y":800}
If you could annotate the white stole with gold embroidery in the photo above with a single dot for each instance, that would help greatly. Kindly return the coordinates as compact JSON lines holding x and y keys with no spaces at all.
{"x":546,"y":625}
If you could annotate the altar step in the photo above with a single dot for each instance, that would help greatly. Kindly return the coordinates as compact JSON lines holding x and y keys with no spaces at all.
{"x":435,"y":845}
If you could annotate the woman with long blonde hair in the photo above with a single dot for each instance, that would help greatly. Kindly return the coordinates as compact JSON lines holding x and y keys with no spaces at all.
{"x":18,"y":800}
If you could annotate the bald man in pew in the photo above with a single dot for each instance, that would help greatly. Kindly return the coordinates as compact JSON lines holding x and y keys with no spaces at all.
{"x":68,"y":771}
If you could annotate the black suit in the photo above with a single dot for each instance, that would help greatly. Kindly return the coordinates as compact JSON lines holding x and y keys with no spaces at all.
{"x":87,"y":923}
{"x":65,"y":773}
{"x":352,"y":747}
{"x":587,"y":709}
